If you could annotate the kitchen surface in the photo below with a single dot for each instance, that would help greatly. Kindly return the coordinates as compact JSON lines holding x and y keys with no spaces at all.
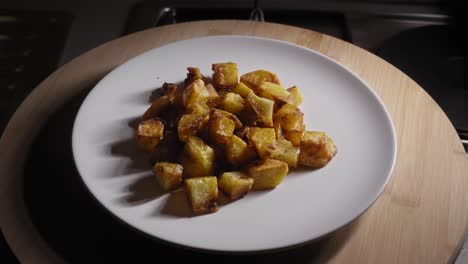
{"x":421,"y":38}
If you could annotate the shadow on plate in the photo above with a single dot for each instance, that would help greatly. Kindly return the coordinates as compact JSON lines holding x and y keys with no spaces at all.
{"x":143,"y":190}
{"x":80,"y":230}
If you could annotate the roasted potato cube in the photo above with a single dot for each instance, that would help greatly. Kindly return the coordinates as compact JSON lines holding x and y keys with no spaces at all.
{"x":289,"y":117}
{"x":225,"y":75}
{"x":285,"y":151}
{"x":263,"y":139}
{"x":317,"y":149}
{"x":295,"y":96}
{"x":294,"y":136}
{"x":274,"y":92}
{"x":149,"y":133}
{"x":196,"y":93}
{"x":232,"y":103}
{"x":168,"y":149}
{"x":256,"y":78}
{"x":202,"y":192}
{"x":168,"y":175}
{"x":278,"y":130}
{"x":241,"y":89}
{"x":158,"y":105}
{"x":238,"y":153}
{"x":235,"y":184}
{"x":200,"y":108}
{"x":198,"y":159}
{"x":267,"y":174}
{"x":263,"y":109}
{"x":213,"y":96}
{"x":191,"y":125}
{"x":168,"y":89}
{"x":192,"y":75}
{"x":234,"y":118}
{"x":221,"y":128}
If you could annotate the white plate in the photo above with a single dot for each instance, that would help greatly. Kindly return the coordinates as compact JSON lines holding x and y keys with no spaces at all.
{"x":308,"y":204}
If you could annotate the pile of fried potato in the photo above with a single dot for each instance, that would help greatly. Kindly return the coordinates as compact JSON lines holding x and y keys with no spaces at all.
{"x":226,"y":134}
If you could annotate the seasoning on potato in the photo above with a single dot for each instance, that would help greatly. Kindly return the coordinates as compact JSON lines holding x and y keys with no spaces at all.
{"x":236,"y":134}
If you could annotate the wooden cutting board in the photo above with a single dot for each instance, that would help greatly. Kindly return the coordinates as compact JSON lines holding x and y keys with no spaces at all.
{"x":421,"y":217}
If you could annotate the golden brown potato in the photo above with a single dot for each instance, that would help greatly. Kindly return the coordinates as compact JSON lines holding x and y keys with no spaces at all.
{"x":262,"y":108}
{"x":285,"y":151}
{"x":198,"y":159}
{"x":225,"y":75}
{"x":317,"y":149}
{"x":196,"y":93}
{"x":238,"y":153}
{"x":168,"y":89}
{"x":278,"y":130}
{"x":241,"y":89}
{"x":295,"y":96}
{"x":267,"y":174}
{"x":274,"y":92}
{"x":202,"y":192}
{"x":234,"y":118}
{"x":168,"y":175}
{"x":192,"y":75}
{"x":156,"y":107}
{"x":149,"y":133}
{"x":256,"y":78}
{"x":232,"y":103}
{"x":263,"y":139}
{"x":221,"y":128}
{"x":289,"y":117}
{"x":168,"y":149}
{"x":213,"y":96}
{"x":294,"y":136}
{"x":191,"y":125}
{"x":235,"y":184}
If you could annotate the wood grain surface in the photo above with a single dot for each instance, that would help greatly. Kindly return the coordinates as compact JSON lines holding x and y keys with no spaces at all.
{"x":421,"y":217}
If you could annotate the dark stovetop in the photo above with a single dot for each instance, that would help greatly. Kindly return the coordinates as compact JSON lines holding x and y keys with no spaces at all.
{"x":30,"y":48}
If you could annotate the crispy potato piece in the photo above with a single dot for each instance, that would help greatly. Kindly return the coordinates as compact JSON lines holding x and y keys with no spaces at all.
{"x":221,"y":128}
{"x":191,"y":125}
{"x":195,"y":93}
{"x":198,"y":159}
{"x":202,"y":192}
{"x":317,"y":149}
{"x":285,"y":151}
{"x":225,"y":75}
{"x":213,"y":96}
{"x":156,"y":107}
{"x":235,"y":184}
{"x":168,"y":175}
{"x":168,"y":149}
{"x":256,"y":78}
{"x":278,"y":130}
{"x":232,"y":103}
{"x":274,"y":92}
{"x":267,"y":174}
{"x":238,"y":153}
{"x":289,"y":117}
{"x":234,"y":118}
{"x":241,"y":89}
{"x":294,"y":136}
{"x":192,"y":75}
{"x":263,"y":109}
{"x":149,"y":133}
{"x":263,"y":139}
{"x":295,"y":96}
